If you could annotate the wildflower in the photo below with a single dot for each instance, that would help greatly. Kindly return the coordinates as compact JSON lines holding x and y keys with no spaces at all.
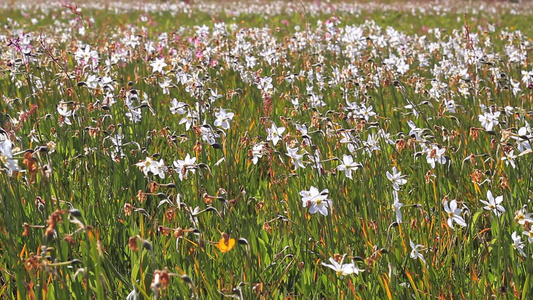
{"x":454,"y":214}
{"x":64,"y":113}
{"x":225,"y":243}
{"x":184,"y":166}
{"x":160,"y":280}
{"x":415,"y":131}
{"x":396,"y":178}
{"x":493,"y":204}
{"x":435,"y":154}
{"x":296,"y":158}
{"x":257,"y":152}
{"x":522,"y":217}
{"x":397,"y":205}
{"x":489,"y":120}
{"x":518,"y":244}
{"x":316,"y":201}
{"x":189,"y":119}
{"x":342,"y":269}
{"x":208,"y":135}
{"x":6,"y":156}
{"x":509,"y":158}
{"x":158,"y":65}
{"x":348,"y":165}
{"x":366,"y":112}
{"x":152,"y":166}
{"x":133,"y":295}
{"x":179,"y":108}
{"x":372,"y":143}
{"x":529,"y":235}
{"x":274,"y":133}
{"x":223,"y":118}
{"x":415,"y":254}
{"x":450,"y":105}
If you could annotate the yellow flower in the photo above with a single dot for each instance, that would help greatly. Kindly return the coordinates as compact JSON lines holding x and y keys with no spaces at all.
{"x":225,"y":244}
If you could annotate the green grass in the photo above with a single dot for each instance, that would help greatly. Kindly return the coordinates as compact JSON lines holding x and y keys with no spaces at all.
{"x":116,"y":228}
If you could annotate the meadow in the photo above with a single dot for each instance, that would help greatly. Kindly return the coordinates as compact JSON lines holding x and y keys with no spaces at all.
{"x":266,"y":150}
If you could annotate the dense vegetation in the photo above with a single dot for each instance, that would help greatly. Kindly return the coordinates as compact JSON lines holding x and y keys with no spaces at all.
{"x":310,"y":151}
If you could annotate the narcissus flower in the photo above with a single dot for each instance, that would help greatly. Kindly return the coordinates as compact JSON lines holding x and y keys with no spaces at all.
{"x":275,"y":133}
{"x":342,"y":269}
{"x":152,"y":166}
{"x":493,"y":204}
{"x":348,"y":165}
{"x":396,"y":178}
{"x":415,"y":254}
{"x":454,"y":214}
{"x":518,"y":244}
{"x":316,"y":201}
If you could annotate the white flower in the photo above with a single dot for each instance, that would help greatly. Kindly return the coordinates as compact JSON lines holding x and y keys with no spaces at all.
{"x":158,"y":65}
{"x":450,"y":105}
{"x":396,"y":178}
{"x":295,"y":158}
{"x":6,"y":156}
{"x":454,"y":214}
{"x":493,"y":204}
{"x":348,"y":165}
{"x":184,"y":166}
{"x":152,"y":166}
{"x":489,"y":120}
{"x":223,"y":118}
{"x":257,"y":152}
{"x":316,"y":201}
{"x":435,"y":154}
{"x":274,"y":133}
{"x":415,"y":131}
{"x":342,"y":269}
{"x":518,"y":244}
{"x":522,"y":217}
{"x":189,"y":119}
{"x":179,"y":108}
{"x":208,"y":135}
{"x":64,"y":112}
{"x":509,"y":158}
{"x":397,"y":205}
{"x":415,"y":254}
{"x":529,"y":235}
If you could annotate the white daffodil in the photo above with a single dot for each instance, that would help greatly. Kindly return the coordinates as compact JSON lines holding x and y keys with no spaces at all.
{"x":397,"y":205}
{"x":184,"y":166}
{"x":435,"y":154}
{"x":518,"y":244}
{"x":454,"y":214}
{"x":223,"y":118}
{"x":348,"y":165}
{"x":257,"y":152}
{"x":509,"y":158}
{"x":493,"y":204}
{"x":152,"y":166}
{"x":522,"y":217}
{"x":275,"y":133}
{"x":529,"y":235}
{"x":342,"y":269}
{"x":415,"y":251}
{"x":396,"y":178}
{"x":489,"y":120}
{"x":158,"y":65}
{"x":295,"y":158}
{"x":316,"y":201}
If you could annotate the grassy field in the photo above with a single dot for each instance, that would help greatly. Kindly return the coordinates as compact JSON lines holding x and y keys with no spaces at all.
{"x":266,"y":150}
